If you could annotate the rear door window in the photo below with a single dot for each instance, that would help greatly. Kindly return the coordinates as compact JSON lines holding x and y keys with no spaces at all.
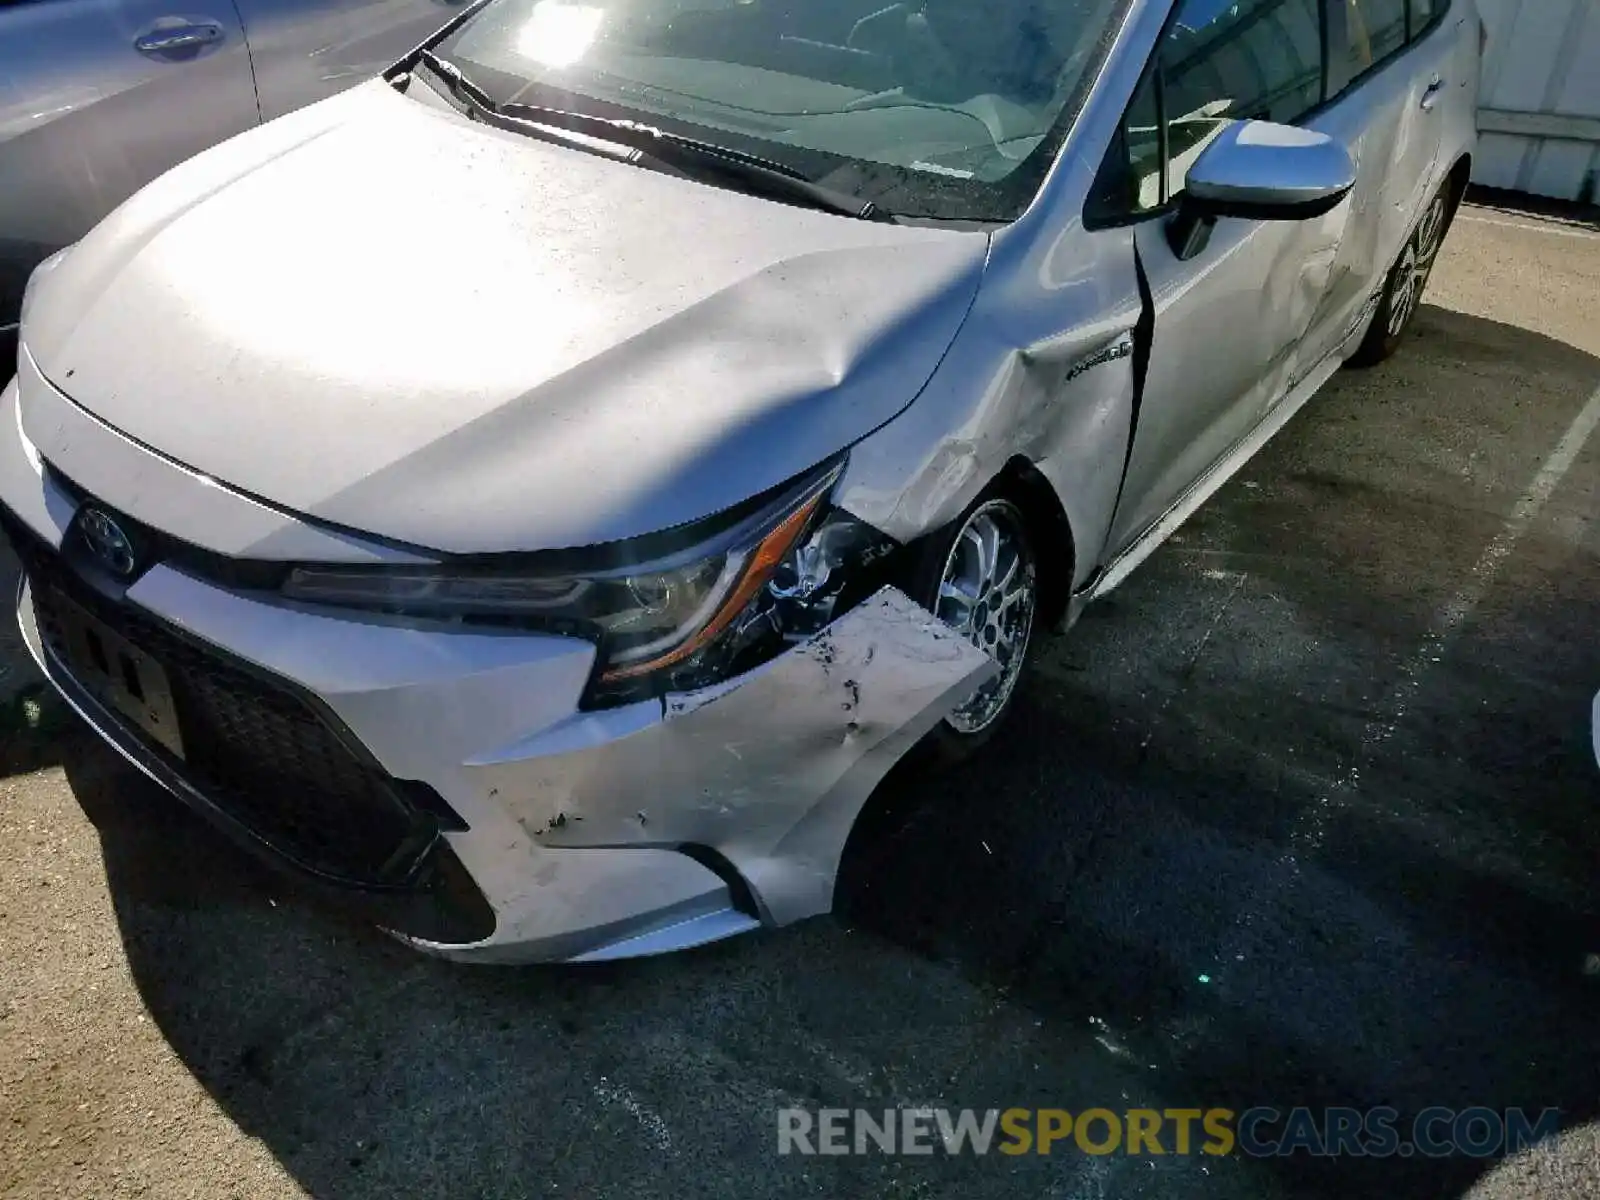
{"x":1375,"y":30}
{"x":1245,"y":59}
{"x":1422,"y":14}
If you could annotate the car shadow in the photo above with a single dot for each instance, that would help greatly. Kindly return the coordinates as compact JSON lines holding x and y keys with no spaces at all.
{"x":34,"y":723}
{"x":1345,"y":855}
{"x":36,"y":731}
{"x":8,"y":355}
{"x":1570,"y":211}
{"x":1258,"y":835}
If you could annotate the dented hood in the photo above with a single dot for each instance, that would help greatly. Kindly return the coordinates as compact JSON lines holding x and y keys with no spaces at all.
{"x":379,"y":314}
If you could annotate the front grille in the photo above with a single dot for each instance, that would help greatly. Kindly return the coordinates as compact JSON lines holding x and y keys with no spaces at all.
{"x":265,"y":755}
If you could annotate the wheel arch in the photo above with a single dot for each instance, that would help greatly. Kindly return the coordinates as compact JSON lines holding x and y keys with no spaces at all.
{"x":1459,"y":176}
{"x":1052,"y":530}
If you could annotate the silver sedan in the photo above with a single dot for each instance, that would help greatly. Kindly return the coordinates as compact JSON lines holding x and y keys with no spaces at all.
{"x":98,"y":97}
{"x":540,"y":493}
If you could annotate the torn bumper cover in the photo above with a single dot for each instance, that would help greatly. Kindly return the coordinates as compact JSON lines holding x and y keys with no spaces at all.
{"x":762,"y":778}
{"x":635,"y":830}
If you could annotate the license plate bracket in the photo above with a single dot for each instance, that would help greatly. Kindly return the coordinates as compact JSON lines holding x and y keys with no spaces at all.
{"x":119,"y":674}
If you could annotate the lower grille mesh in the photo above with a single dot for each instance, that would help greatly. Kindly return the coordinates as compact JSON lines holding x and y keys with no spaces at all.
{"x":255,"y":748}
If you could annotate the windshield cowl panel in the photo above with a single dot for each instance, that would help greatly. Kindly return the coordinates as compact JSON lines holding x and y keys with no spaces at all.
{"x":942,"y":109}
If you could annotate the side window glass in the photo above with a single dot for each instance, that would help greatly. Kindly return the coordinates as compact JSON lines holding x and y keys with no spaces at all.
{"x":1422,"y":12}
{"x":1375,"y":30}
{"x":1146,"y":150}
{"x":1223,"y":61}
{"x":1244,"y":59}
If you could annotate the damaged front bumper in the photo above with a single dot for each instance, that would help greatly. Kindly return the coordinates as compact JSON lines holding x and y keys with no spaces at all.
{"x":632,"y":831}
{"x":575,"y":834}
{"x":758,"y":781}
{"x":560,"y":833}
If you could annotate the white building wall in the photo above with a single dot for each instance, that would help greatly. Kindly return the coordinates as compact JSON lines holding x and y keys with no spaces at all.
{"x":1540,"y":104}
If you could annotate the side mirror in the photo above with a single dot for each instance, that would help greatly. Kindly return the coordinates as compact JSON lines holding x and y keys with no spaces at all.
{"x":1260,"y":171}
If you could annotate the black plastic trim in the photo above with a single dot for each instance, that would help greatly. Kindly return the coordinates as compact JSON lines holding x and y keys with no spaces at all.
{"x":435,"y":811}
{"x":440,"y":903}
{"x":740,"y":894}
{"x":1299,"y":210}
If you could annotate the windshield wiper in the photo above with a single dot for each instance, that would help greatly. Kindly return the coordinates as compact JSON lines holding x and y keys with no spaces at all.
{"x":457,"y":80}
{"x":655,"y":143}
{"x":659,"y":143}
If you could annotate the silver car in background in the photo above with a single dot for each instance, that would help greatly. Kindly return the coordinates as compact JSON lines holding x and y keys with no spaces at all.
{"x":537,"y":495}
{"x":98,"y":97}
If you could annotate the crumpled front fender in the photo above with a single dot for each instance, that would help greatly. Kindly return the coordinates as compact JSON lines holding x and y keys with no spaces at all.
{"x":769,"y":771}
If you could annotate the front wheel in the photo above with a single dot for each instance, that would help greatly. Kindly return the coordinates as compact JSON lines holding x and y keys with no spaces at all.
{"x":980,"y":576}
{"x":1408,"y":279}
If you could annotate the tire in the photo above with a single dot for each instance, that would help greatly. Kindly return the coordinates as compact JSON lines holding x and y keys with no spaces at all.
{"x":1408,"y":279}
{"x":990,"y":550}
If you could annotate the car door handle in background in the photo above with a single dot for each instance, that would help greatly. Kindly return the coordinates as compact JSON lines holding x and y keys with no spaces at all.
{"x":1430,"y":98}
{"x":175,"y":39}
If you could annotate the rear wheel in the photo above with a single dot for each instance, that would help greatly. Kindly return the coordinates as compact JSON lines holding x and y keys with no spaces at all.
{"x":980,"y":576}
{"x":1408,"y":279}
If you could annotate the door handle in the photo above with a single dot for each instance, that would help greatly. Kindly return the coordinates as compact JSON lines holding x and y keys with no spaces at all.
{"x":1430,"y":98}
{"x":159,"y":43}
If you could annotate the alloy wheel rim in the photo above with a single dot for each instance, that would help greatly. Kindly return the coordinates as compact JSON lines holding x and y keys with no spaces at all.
{"x":987,"y":593}
{"x":1416,"y":264}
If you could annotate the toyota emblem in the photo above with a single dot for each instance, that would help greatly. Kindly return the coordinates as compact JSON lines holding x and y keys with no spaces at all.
{"x":111,"y":547}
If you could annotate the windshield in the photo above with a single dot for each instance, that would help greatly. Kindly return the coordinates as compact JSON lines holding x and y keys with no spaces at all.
{"x":947,"y":109}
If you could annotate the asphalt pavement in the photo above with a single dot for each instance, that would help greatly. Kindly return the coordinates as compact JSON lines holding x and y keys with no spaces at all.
{"x":1302,"y":815}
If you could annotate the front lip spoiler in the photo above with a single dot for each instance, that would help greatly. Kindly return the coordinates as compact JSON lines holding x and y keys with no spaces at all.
{"x":445,"y":907}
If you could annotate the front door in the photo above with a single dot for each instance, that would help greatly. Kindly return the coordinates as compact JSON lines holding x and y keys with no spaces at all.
{"x":1228,"y":320}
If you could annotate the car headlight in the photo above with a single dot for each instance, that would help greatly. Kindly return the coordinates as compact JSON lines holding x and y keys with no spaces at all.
{"x":674,"y":622}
